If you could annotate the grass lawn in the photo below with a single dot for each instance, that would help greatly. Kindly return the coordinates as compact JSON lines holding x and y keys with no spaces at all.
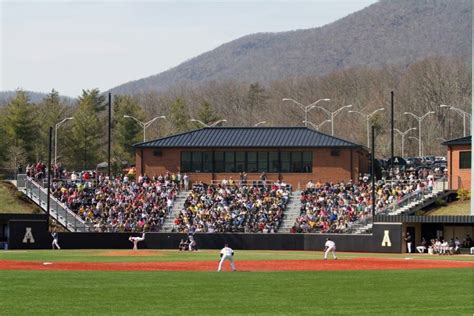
{"x":420,"y":292}
{"x":454,"y":208}
{"x":389,"y":292}
{"x":9,"y":203}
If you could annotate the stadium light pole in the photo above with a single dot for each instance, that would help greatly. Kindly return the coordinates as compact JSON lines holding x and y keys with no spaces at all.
{"x":463,"y":113}
{"x":260,"y":123}
{"x":372,"y":171}
{"x":208,"y":125}
{"x":419,"y":142}
{"x":368,"y":117}
{"x":403,"y":134}
{"x":305,"y":108}
{"x":56,"y":136}
{"x":317,"y":127}
{"x":420,"y":120}
{"x":144,"y":125}
{"x":332,"y":115}
{"x":48,"y":194}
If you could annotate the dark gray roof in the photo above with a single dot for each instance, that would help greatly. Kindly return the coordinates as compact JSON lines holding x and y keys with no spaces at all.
{"x":249,"y":137}
{"x":458,"y":141}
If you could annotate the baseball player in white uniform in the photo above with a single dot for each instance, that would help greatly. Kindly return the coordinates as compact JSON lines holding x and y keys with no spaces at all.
{"x":136,"y":240}
{"x":227,"y":254}
{"x":55,"y":240}
{"x":329,"y":246}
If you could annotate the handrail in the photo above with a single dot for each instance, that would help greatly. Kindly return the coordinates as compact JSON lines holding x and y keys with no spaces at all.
{"x":58,"y":210}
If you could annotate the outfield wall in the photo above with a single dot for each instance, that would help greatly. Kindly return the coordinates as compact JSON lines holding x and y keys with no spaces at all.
{"x":386,"y":237}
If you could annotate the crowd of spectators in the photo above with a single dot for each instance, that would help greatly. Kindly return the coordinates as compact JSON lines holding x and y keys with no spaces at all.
{"x":332,"y":207}
{"x":335,"y":207}
{"x":228,"y":207}
{"x":118,"y":204}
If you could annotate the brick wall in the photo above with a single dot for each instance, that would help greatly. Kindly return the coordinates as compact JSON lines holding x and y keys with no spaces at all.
{"x":458,"y":178}
{"x":328,"y":165}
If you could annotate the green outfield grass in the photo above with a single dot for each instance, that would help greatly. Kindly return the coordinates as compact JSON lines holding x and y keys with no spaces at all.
{"x":420,"y":292}
{"x":392,"y":292}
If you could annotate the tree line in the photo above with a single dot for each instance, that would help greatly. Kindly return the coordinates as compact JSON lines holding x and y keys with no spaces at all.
{"x":82,"y":141}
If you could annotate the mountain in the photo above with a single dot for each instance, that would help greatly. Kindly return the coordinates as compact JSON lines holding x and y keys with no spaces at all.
{"x":387,"y":32}
{"x":35,"y":97}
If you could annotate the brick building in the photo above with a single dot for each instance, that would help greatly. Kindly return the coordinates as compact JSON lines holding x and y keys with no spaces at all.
{"x":293,"y":154}
{"x":459,"y":163}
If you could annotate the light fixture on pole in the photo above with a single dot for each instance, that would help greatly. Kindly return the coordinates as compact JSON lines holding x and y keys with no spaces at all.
{"x":332,"y":115}
{"x":403,"y":134}
{"x":463,"y":113}
{"x":56,"y":137}
{"x":260,"y":123}
{"x":144,"y":125}
{"x":208,"y":125}
{"x":419,"y":119}
{"x":305,"y":108}
{"x":420,"y":144}
{"x":368,"y":117}
{"x":317,"y":127}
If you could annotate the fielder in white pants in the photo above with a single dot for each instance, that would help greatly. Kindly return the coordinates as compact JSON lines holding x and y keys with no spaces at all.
{"x":329,"y":246}
{"x":136,"y":240}
{"x":55,"y":241}
{"x":226,"y":254}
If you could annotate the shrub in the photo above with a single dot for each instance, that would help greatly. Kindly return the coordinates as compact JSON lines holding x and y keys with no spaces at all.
{"x":440,"y":202}
{"x":464,"y":194}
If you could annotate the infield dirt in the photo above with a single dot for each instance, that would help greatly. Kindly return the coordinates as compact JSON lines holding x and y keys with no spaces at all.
{"x":267,"y":265}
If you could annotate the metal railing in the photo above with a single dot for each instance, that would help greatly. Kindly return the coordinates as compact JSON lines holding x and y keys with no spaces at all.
{"x":415,"y":196}
{"x":59,"y":211}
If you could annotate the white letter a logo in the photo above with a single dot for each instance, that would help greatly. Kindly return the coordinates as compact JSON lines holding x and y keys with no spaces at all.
{"x":28,"y":236}
{"x":386,"y":239}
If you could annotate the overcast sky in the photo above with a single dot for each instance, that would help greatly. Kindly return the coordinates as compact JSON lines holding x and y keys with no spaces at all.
{"x":70,"y":45}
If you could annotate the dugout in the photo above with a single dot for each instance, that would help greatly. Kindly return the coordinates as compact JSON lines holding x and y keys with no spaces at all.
{"x":293,"y":155}
{"x":432,"y":227}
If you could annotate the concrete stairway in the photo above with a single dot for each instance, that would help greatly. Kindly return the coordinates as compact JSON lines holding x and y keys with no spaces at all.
{"x":291,"y":213}
{"x":416,"y":204}
{"x":360,"y":228}
{"x":59,"y":211}
{"x":177,"y":207}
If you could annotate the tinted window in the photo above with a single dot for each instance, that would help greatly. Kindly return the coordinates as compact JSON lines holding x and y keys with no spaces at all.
{"x":262,"y":161}
{"x":307,"y":161}
{"x":229,"y":161}
{"x":296,"y":163}
{"x":274,"y":162}
{"x":196,"y":163}
{"x":207,"y":162}
{"x":240,"y":161}
{"x":251,"y":162}
{"x":285,"y":157}
{"x":465,"y":160}
{"x":219,"y":161}
{"x":185,"y":161}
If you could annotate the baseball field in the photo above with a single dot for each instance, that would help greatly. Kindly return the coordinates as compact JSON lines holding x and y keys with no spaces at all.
{"x":170,"y":282}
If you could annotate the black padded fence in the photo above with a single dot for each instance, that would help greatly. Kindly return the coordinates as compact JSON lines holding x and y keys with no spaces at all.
{"x":375,"y":242}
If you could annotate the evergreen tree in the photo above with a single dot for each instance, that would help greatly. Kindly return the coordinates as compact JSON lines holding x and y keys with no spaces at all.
{"x":126,"y":131}
{"x":207,"y":114}
{"x":86,"y":138}
{"x":179,"y":116}
{"x":20,"y":127}
{"x":49,"y":112}
{"x":256,"y":96}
